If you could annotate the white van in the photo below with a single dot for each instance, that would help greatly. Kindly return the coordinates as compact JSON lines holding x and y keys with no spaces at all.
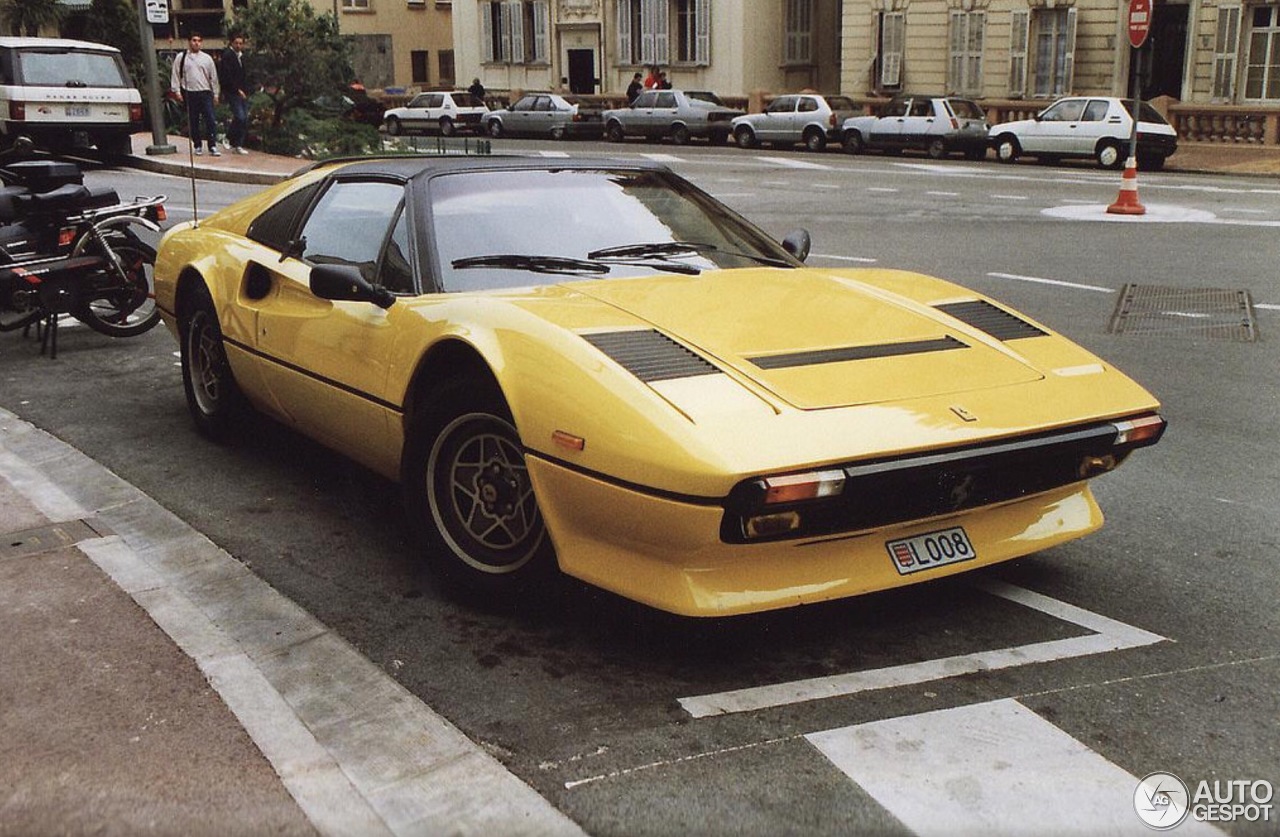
{"x":63,"y":93}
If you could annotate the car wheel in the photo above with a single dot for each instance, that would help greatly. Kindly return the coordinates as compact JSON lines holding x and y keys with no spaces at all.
{"x":614,"y":132}
{"x":495,"y":128}
{"x":115,"y":146}
{"x":213,"y":397}
{"x":1007,"y":149}
{"x":853,"y":143}
{"x":815,"y":140}
{"x":679,"y":134}
{"x":745,"y":137}
{"x":1109,"y":155}
{"x":937,"y":148}
{"x":467,"y":490}
{"x":447,"y":128}
{"x":393,"y":127}
{"x":557,"y":133}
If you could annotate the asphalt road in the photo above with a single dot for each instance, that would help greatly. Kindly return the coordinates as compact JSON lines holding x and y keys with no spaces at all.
{"x":1153,"y":645}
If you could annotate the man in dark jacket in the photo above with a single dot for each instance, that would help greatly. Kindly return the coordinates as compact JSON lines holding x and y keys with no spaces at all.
{"x":235,"y":91}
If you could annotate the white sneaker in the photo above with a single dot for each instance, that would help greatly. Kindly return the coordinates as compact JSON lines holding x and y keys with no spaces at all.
{"x":199,"y":152}
{"x":215,"y":152}
{"x":240,"y":150}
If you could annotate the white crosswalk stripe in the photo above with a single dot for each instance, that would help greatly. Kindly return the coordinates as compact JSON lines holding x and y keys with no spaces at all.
{"x":793,"y":163}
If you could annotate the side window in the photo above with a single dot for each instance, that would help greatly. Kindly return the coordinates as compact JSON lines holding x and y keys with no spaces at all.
{"x":524,"y":104}
{"x":782,"y":104}
{"x":666,"y":100}
{"x":897,"y":107}
{"x":273,"y":227}
{"x":646,"y":100}
{"x":433,"y":101}
{"x":396,"y":274}
{"x":922,"y":107}
{"x":350,"y":222}
{"x":418,"y":102}
{"x":1067,"y":111}
{"x":807,"y":105}
{"x":544,"y":103}
{"x":1095,"y":111}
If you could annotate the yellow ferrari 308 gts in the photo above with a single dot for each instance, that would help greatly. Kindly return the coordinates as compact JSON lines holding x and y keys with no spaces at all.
{"x":597,"y":369}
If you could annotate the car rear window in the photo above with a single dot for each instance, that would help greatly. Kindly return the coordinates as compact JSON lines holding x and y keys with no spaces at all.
{"x":1148,"y":113}
{"x":841,"y":103}
{"x":68,"y":68}
{"x":966,"y":109}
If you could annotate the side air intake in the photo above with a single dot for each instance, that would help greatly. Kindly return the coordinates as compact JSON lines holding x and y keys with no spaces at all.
{"x":650,"y":356}
{"x":986,"y":317}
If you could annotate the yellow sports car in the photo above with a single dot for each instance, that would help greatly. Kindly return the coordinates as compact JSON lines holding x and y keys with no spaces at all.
{"x":597,"y":368}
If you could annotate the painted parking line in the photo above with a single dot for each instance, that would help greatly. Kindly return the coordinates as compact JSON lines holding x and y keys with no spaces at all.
{"x":860,"y":259}
{"x":881,"y":189}
{"x":943,"y":194}
{"x":991,"y":768}
{"x":792,"y":163}
{"x":1107,"y":635}
{"x":1038,"y":280}
{"x":662,"y":158}
{"x":1010,"y":197}
{"x":556,"y":154}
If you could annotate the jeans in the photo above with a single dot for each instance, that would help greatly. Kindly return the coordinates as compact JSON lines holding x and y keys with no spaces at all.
{"x":238,"y":130}
{"x":200,"y":106}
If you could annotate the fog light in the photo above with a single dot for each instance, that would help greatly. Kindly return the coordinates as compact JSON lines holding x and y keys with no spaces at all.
{"x":764,"y":525}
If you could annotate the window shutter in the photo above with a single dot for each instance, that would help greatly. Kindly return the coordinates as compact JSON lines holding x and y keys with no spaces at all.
{"x":515,"y":25}
{"x":955,"y":52}
{"x":894,"y":24}
{"x":486,"y":31}
{"x":648,"y":23}
{"x":1020,"y":24}
{"x":624,"y":33}
{"x":1226,"y":47}
{"x":977,"y":34}
{"x":702,"y":42}
{"x":662,"y":26}
{"x":540,"y":31}
{"x":1069,"y":59}
{"x":504,"y":31}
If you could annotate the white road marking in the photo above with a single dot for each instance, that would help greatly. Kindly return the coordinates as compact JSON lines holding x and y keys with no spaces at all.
{"x":1109,"y":635}
{"x":881,"y":189}
{"x":1010,"y":197}
{"x":663,"y":158}
{"x":723,"y":195}
{"x":1246,"y":211}
{"x":1059,"y":283}
{"x":842,"y":258}
{"x":826,"y":186}
{"x":556,"y":154}
{"x":992,"y":768}
{"x":944,"y":194}
{"x":1267,"y":306}
{"x":792,"y":163}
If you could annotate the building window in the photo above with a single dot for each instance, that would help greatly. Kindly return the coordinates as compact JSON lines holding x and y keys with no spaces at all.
{"x":1226,"y":47}
{"x":1262,"y":69}
{"x":355,"y":5}
{"x":419,"y":65}
{"x":965,"y":54}
{"x":647,"y":29}
{"x":797,"y":47}
{"x":446,"y":74}
{"x":514,"y":31}
{"x":1055,"y":44}
{"x":891,"y":37}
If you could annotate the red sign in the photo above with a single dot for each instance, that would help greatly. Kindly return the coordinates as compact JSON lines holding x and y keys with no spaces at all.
{"x":1139,"y":21}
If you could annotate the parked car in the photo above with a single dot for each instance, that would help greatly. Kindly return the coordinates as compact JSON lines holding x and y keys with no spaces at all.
{"x":677,"y":114}
{"x":355,"y":105}
{"x":544,"y":115}
{"x":441,"y":110}
{"x":596,"y":367}
{"x":939,"y":125}
{"x":61,"y":93}
{"x":809,"y":118}
{"x":1088,"y":126}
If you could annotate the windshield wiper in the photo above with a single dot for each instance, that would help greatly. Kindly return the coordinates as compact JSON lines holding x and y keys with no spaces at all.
{"x":674,"y":248}
{"x":533,"y":264}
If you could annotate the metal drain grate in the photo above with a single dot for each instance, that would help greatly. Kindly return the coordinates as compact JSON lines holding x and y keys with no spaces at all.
{"x":1197,"y":312}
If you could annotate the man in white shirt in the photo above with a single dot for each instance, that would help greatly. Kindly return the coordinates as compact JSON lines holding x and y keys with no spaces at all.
{"x":195,"y":82}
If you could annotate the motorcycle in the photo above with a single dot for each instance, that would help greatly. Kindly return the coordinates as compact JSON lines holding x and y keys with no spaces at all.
{"x":66,"y":248}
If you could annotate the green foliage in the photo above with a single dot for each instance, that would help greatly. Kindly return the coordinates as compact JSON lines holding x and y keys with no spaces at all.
{"x":115,"y":22}
{"x":28,"y":17}
{"x":304,"y":134}
{"x":294,"y":54}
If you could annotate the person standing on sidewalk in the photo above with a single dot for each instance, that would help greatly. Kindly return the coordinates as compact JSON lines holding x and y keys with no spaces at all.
{"x":235,"y":91}
{"x":195,"y":82}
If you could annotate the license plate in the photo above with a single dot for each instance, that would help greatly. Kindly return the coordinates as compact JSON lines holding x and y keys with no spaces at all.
{"x":935,"y":549}
{"x":77,"y":110}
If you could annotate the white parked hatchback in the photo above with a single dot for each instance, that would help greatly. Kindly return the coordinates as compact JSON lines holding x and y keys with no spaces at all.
{"x":446,"y":111}
{"x":1088,"y":126}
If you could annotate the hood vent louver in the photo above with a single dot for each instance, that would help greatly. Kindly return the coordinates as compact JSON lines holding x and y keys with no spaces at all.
{"x":997,"y":322}
{"x":650,"y":356}
{"x":847,"y":353}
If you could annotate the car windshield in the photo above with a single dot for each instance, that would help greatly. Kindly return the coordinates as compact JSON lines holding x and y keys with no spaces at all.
{"x":506,"y":229}
{"x":1148,"y":113}
{"x":69,"y":68}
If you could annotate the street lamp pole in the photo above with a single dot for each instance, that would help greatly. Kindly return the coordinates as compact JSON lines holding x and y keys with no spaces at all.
{"x":159,"y":140}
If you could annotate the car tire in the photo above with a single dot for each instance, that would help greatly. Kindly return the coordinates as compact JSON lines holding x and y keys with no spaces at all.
{"x":447,"y":128}
{"x":393,"y":127}
{"x":558,"y":133}
{"x":937,"y":148}
{"x":745,"y":137}
{"x":613,"y":132}
{"x":854,"y":143}
{"x":1007,"y":149}
{"x":115,"y":146}
{"x":1109,"y":155}
{"x":468,"y":495}
{"x":495,"y":128}
{"x":680,"y":134}
{"x":213,"y":396}
{"x":815,"y":140}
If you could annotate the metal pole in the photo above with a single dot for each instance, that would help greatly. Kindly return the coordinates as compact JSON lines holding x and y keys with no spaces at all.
{"x":1133,"y":132}
{"x":159,"y":140}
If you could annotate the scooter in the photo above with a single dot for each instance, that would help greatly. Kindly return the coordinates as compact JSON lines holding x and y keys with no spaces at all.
{"x":66,"y":248}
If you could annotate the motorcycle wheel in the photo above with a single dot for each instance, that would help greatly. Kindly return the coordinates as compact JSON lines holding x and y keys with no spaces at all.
{"x":115,"y":307}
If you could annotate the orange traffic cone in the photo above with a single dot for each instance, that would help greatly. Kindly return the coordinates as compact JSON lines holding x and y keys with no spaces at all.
{"x":1127,"y":201}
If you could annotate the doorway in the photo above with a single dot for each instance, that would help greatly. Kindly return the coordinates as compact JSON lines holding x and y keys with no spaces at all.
{"x":582,"y":71}
{"x":1162,"y":59}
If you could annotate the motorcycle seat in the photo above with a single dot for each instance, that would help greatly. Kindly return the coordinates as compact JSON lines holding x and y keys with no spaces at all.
{"x":100,"y":196}
{"x":69,"y":197}
{"x":8,"y":207}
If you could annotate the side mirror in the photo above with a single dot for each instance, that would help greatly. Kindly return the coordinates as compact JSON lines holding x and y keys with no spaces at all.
{"x":344,"y":282}
{"x":797,"y":243}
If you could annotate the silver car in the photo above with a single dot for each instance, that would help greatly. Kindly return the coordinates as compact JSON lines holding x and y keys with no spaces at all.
{"x":810,"y":118}
{"x":677,"y":114}
{"x":446,"y":111}
{"x":544,"y":115}
{"x":939,"y":125}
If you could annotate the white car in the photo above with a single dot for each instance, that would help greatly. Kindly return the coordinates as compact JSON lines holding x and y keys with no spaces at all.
{"x":1088,"y":126}
{"x":809,"y":118}
{"x":446,"y":111}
